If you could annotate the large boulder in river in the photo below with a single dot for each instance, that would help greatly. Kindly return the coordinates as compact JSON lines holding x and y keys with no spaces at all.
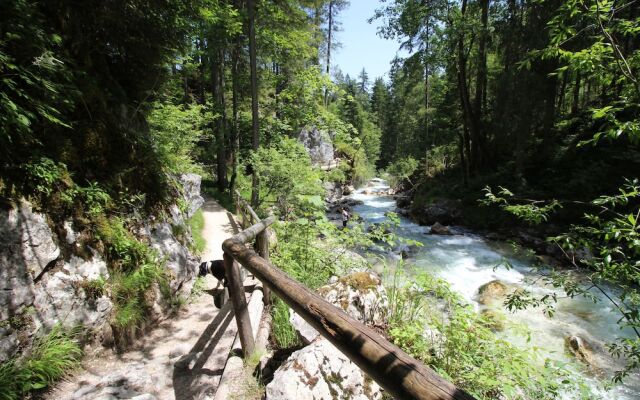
{"x":444,"y":212}
{"x":319,"y":145}
{"x":320,"y":371}
{"x":439,"y":229}
{"x":492,"y":292}
{"x":580,"y":348}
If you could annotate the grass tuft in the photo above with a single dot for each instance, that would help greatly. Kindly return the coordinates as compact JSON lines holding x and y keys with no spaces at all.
{"x":197,"y":226}
{"x":51,"y":358}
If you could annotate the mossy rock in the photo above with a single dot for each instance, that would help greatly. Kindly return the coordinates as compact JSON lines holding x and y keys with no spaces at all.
{"x":494,"y":319}
{"x":362,"y":281}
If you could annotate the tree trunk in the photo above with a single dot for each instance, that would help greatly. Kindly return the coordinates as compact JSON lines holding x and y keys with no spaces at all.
{"x":235,"y":131}
{"x":576,"y":94}
{"x":326,"y":90}
{"x":255,"y":127}
{"x":481,"y":83}
{"x":470,"y":128}
{"x":217,"y":76}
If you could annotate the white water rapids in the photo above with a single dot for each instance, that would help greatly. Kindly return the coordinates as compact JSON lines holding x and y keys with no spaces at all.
{"x":469,"y":261}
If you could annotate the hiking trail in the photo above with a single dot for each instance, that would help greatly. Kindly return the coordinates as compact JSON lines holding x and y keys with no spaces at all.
{"x":183,"y":357}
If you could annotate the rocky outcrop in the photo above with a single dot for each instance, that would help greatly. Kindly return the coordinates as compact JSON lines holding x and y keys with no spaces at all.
{"x":444,"y":212}
{"x":580,"y":348}
{"x":191,"y":192}
{"x":359,"y":294}
{"x":320,"y":371}
{"x":319,"y":145}
{"x":42,"y":285}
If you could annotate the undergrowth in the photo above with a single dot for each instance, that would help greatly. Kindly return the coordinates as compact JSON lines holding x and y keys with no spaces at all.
{"x":52,"y":357}
{"x":434,"y":324}
{"x":196,"y":223}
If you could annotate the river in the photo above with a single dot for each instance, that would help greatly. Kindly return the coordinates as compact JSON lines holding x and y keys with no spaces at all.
{"x":468,"y":261}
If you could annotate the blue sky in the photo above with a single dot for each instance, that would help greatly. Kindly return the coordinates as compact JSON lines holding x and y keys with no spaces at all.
{"x":361,"y":46}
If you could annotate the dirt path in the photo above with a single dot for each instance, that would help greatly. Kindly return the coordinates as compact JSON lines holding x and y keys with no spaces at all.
{"x":182,"y":358}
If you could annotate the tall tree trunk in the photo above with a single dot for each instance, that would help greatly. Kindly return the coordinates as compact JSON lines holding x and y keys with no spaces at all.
{"x":481,"y":83}
{"x":470,"y":128}
{"x":330,"y":31}
{"x":235,"y":131}
{"x":255,"y":127}
{"x":576,"y":94}
{"x":217,"y":76}
{"x":426,"y":96}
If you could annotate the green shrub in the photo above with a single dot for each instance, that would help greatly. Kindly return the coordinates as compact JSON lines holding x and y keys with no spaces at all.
{"x":435,"y":325}
{"x":196,"y":223}
{"x":129,"y":291}
{"x":283,"y":332}
{"x":52,"y":356}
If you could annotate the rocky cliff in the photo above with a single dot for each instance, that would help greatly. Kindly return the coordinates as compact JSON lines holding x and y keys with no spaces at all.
{"x":51,"y":276}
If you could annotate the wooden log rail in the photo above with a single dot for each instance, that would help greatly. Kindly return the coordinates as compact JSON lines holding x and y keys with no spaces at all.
{"x":397,"y":372}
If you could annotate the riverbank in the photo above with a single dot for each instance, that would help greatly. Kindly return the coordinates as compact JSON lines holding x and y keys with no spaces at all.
{"x":470,"y":261}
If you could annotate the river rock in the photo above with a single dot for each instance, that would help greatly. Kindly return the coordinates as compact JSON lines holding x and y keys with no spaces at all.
{"x":318,"y":144}
{"x":495,"y":319}
{"x":581,"y":349}
{"x":439,"y":229}
{"x":359,"y":294}
{"x":348,"y":189}
{"x":444,"y":212}
{"x":320,"y":371}
{"x":491,"y":292}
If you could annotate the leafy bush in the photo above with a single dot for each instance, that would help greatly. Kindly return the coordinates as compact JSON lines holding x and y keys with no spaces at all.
{"x":286,"y":177}
{"x":175,"y":132}
{"x":401,"y":170}
{"x":52,"y":356}
{"x":434,"y":324}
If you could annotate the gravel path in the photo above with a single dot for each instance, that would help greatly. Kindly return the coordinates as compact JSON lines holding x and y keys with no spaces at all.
{"x":182,"y":358}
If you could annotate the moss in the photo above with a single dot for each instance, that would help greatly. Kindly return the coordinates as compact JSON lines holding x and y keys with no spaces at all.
{"x":361,"y":281}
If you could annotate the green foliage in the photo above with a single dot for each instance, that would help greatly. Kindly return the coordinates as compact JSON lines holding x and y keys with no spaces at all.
{"x":283,"y":332}
{"x":51,"y":358}
{"x":196,"y":223}
{"x":432,"y":323}
{"x":175,"y":132}
{"x":401,"y":170}
{"x":287,"y":178}
{"x":130,"y":293}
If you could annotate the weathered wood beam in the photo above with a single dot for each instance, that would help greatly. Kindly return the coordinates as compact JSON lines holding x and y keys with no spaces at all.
{"x":397,"y":372}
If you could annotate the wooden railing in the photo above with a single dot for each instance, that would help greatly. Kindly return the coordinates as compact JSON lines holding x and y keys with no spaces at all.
{"x":397,"y":372}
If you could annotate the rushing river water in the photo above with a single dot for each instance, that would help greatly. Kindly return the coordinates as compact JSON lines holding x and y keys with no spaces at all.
{"x":468,"y":261}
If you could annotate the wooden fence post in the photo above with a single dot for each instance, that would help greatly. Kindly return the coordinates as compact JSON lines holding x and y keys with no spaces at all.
{"x":262,"y":246}
{"x":236,"y":292}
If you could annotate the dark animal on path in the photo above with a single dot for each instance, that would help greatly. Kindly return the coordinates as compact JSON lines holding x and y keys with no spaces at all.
{"x":215,"y":268}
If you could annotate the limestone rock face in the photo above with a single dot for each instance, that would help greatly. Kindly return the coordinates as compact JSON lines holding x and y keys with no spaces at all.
{"x":319,"y":145}
{"x":191,"y":192}
{"x":320,"y":371}
{"x":63,"y":297}
{"x":180,"y":262}
{"x":26,"y":249}
{"x":359,"y":294}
